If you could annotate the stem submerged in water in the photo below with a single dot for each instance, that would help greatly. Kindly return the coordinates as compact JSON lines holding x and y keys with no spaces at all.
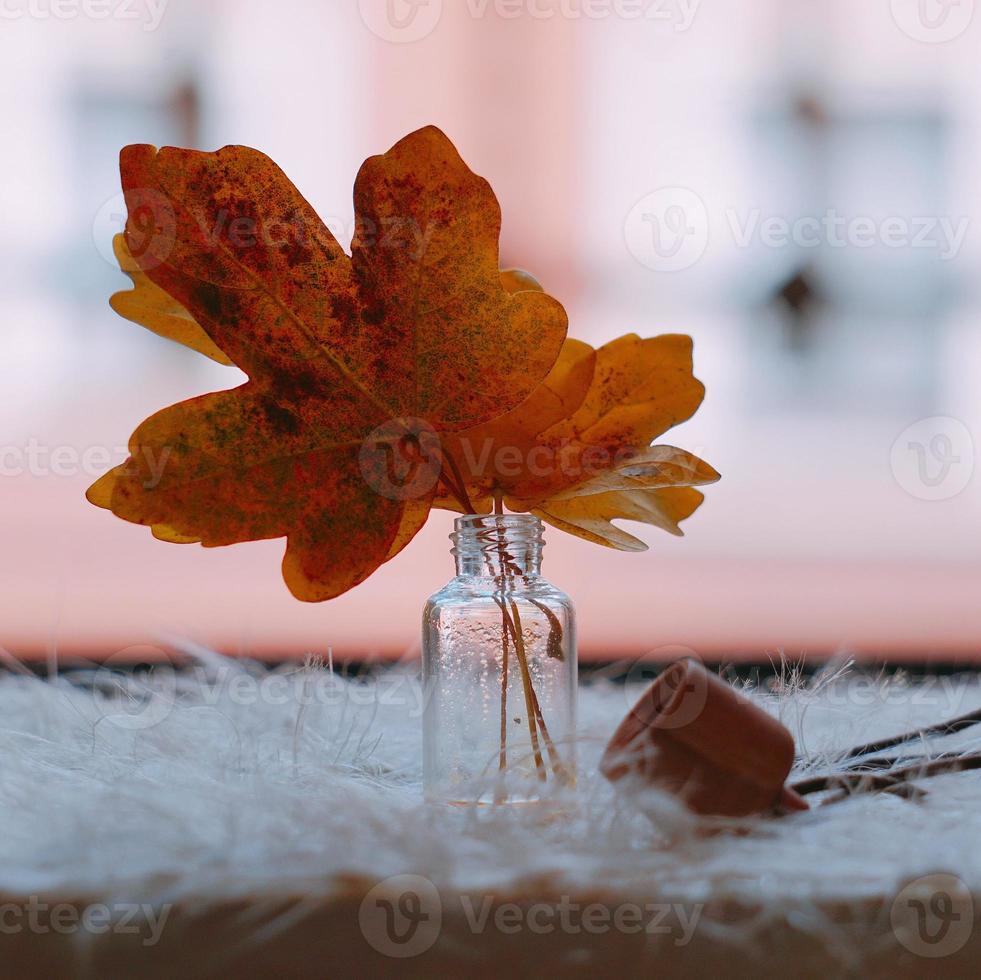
{"x":511,"y":625}
{"x":512,"y":636}
{"x":531,"y":701}
{"x":503,"y":758}
{"x":553,"y":753}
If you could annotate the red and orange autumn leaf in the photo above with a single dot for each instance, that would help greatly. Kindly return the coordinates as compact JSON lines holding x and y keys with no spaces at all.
{"x":227,"y":257}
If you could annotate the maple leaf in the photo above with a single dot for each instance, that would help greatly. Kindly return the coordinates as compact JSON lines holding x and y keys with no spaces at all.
{"x":355,"y":363}
{"x":577,"y":452}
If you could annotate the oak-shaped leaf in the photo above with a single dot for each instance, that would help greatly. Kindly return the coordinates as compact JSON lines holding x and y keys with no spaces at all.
{"x":353,"y":361}
{"x":577,"y":452}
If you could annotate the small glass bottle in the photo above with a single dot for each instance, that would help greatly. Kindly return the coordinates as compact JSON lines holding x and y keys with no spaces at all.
{"x":499,"y":669}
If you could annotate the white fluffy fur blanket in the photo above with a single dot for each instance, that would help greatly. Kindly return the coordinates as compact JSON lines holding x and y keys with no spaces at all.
{"x":236,"y":818}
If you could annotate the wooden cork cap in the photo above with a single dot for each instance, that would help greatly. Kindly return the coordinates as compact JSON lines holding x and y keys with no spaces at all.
{"x":696,"y":736}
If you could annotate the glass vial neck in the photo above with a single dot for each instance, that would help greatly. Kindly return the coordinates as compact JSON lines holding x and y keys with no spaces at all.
{"x":496,"y":545}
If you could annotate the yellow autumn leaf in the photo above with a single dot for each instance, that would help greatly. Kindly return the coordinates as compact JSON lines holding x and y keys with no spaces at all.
{"x":591,"y":516}
{"x":577,"y":451}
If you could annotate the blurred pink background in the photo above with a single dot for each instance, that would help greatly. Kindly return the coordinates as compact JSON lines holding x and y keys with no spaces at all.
{"x":836,"y":527}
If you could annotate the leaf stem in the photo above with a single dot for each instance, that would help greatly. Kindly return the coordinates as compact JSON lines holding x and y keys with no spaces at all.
{"x":511,"y":627}
{"x":461,"y":484}
{"x":530,"y":699}
{"x":505,"y":669}
{"x":553,"y":753}
{"x":455,"y":491}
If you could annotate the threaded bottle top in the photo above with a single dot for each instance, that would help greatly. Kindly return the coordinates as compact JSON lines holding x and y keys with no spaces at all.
{"x":498,"y":544}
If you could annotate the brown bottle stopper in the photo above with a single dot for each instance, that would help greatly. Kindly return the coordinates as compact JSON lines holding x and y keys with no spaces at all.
{"x":696,"y":736}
